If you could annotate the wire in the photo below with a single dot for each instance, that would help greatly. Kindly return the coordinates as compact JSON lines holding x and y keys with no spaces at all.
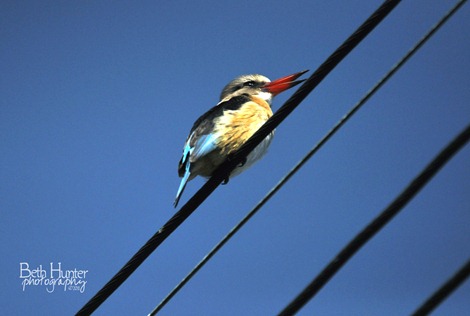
{"x":322,"y":71}
{"x":447,"y":288}
{"x":225,"y":168}
{"x":378,"y":223}
{"x":300,"y":164}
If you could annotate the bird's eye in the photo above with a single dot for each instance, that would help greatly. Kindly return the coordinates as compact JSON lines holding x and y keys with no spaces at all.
{"x":249,"y":84}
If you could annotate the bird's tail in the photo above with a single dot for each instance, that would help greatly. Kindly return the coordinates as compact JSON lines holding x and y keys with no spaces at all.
{"x":182,"y":186}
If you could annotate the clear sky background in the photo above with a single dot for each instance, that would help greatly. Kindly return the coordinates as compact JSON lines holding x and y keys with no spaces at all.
{"x":97,"y":98}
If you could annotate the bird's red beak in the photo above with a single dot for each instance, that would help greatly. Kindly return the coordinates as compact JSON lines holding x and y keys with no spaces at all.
{"x":277,"y":86}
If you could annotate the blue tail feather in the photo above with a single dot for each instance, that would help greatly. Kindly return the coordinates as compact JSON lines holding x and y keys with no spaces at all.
{"x":182,"y":185}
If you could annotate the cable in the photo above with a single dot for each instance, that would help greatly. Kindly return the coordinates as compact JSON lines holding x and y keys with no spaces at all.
{"x":224,"y":170}
{"x":440,"y":295}
{"x":378,"y":223}
{"x":322,"y":71}
{"x":307,"y":157}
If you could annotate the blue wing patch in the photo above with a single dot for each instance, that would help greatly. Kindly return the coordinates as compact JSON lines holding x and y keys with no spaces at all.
{"x":204,"y":145}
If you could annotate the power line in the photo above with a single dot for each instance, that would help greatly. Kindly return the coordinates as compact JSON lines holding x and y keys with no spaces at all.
{"x":447,"y":288}
{"x":224,"y":170}
{"x":307,"y":157}
{"x":378,"y":223}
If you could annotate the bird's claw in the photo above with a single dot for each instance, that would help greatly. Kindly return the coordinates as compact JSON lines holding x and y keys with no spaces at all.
{"x":242,"y":163}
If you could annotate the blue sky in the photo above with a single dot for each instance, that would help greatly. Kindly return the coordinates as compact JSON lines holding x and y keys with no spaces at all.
{"x":98,"y":98}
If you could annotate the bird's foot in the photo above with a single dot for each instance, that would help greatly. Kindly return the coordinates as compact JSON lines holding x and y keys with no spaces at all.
{"x":242,"y":163}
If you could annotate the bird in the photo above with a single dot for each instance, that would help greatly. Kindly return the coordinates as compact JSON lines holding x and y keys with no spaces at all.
{"x":244,"y":106}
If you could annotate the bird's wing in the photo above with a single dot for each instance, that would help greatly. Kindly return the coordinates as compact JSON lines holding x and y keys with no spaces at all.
{"x":201,"y":140}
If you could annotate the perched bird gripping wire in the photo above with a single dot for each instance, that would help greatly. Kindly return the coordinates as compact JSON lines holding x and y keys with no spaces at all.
{"x":245,"y":105}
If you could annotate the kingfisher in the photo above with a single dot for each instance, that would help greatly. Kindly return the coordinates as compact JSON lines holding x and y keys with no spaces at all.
{"x":245,"y":105}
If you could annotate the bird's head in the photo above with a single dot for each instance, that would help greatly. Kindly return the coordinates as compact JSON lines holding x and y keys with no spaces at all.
{"x":260,"y":86}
